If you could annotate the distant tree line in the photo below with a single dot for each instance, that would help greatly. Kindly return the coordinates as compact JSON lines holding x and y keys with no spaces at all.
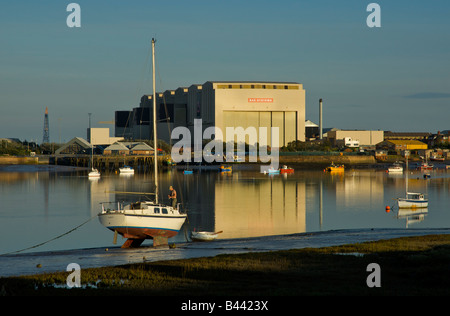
{"x":25,"y":148}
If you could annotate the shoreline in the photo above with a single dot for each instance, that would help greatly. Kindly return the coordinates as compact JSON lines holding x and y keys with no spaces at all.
{"x":329,"y":270}
{"x":36,"y":262}
{"x":296,"y":160}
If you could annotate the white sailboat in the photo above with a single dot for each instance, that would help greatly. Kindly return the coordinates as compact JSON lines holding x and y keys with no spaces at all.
{"x":148,"y":219}
{"x":94,"y":173}
{"x":412,"y":199}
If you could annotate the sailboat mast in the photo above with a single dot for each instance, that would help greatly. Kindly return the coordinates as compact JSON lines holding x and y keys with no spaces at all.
{"x":155,"y":142}
{"x":406,"y":178}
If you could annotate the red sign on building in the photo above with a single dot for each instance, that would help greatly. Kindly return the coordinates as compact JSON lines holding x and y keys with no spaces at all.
{"x":263,"y":100}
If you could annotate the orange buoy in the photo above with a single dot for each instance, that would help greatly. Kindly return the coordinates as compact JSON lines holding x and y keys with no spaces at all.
{"x":388,"y":209}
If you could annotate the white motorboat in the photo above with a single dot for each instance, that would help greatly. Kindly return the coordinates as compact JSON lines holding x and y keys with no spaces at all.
{"x":126,"y":170}
{"x":412,"y":199}
{"x":395,"y":168}
{"x":145,"y":219}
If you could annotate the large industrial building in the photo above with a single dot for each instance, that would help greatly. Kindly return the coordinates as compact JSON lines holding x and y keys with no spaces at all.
{"x":220,"y":104}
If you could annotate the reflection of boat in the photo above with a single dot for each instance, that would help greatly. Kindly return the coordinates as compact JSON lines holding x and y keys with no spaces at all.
{"x":286,"y":169}
{"x":334,"y":167}
{"x":126,"y":170}
{"x":226,"y":169}
{"x":204,"y":236}
{"x":147,"y":219}
{"x":188,"y":172}
{"x":412,"y":216}
{"x":395,"y":168}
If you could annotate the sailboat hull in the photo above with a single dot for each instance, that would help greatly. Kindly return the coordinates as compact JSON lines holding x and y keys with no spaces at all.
{"x":137,"y":226}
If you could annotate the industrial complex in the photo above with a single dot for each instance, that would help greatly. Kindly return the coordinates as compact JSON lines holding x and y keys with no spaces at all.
{"x":220,"y":104}
{"x":224,"y":107}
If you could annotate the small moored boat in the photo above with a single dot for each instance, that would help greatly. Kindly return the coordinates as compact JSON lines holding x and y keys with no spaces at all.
{"x":334,"y":167}
{"x":272,"y":170}
{"x":425,"y":166}
{"x":395,"y":168}
{"x":413,"y":200}
{"x":226,"y":169}
{"x":126,"y":170}
{"x":204,"y":236}
{"x":94,"y":173}
{"x":286,"y":169}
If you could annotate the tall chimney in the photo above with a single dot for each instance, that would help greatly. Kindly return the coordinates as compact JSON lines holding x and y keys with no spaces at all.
{"x":320,"y":119}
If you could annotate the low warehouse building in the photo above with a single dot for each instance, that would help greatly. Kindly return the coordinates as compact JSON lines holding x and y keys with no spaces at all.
{"x":365,"y":138}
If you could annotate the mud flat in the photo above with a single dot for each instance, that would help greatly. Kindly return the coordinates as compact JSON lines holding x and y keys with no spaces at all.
{"x":412,"y":262}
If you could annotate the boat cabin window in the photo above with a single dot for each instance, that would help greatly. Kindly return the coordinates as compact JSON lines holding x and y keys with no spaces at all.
{"x":164,"y":211}
{"x":156,"y":210}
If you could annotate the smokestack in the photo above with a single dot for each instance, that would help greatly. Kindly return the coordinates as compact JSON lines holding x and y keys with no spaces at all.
{"x":320,"y":119}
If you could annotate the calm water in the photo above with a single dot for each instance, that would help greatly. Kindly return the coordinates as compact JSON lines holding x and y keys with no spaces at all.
{"x":41,"y":203}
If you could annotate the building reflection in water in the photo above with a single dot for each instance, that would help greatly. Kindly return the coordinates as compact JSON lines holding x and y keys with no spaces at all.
{"x":259,"y":207}
{"x":239,"y":204}
{"x":360,"y":190}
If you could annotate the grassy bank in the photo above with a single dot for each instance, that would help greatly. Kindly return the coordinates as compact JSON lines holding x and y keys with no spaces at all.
{"x":409,"y":266}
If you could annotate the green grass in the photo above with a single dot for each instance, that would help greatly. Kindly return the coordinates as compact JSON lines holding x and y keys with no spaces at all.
{"x":409,"y":266}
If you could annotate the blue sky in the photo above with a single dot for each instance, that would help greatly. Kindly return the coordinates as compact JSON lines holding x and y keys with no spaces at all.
{"x":396,"y":77}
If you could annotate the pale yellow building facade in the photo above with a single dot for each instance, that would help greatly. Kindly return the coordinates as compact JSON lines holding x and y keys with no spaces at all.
{"x":222,"y":104}
{"x":365,"y":137}
{"x":251,"y":104}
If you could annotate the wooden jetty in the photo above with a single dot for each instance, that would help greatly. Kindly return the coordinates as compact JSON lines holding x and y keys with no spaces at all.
{"x":107,"y":163}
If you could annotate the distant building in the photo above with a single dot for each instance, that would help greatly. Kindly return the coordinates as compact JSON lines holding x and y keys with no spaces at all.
{"x":401,"y":145}
{"x":141,"y":149}
{"x":364,"y":138}
{"x":123,"y":123}
{"x":388,"y":135}
{"x":76,"y":146}
{"x":116,"y":149}
{"x":223,"y":104}
{"x":311,"y":130}
{"x":100,"y":136}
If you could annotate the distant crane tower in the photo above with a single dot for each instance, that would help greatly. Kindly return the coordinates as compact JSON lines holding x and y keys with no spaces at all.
{"x":46,"y":138}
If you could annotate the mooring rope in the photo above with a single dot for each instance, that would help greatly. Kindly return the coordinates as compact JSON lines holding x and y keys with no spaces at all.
{"x":45,"y":242}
